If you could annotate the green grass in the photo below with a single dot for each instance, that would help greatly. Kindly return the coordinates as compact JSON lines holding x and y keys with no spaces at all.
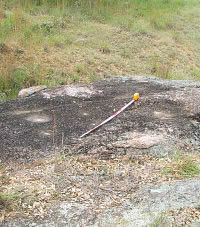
{"x":5,"y":197}
{"x":183,"y":166}
{"x":6,"y":202}
{"x":160,"y":221}
{"x":143,"y":37}
{"x":188,"y":168}
{"x":22,"y":78}
{"x":156,"y":12}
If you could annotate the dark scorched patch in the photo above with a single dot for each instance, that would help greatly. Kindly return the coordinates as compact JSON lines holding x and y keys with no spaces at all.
{"x":69,"y":117}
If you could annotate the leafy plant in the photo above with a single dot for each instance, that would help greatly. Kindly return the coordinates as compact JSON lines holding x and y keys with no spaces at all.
{"x":124,"y":53}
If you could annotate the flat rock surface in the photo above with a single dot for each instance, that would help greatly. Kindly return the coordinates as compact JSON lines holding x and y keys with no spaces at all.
{"x":165,"y":119}
{"x":141,"y":210}
{"x":167,"y":115}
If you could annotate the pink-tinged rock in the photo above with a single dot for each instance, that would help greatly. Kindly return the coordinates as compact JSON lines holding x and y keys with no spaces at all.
{"x":140,"y":141}
{"x":74,"y":90}
{"x":31,"y":90}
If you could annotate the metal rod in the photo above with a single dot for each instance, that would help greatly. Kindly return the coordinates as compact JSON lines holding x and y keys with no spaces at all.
{"x":135,"y":98}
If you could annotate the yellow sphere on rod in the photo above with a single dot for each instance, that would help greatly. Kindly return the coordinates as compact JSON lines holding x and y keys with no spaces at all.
{"x":136,"y":96}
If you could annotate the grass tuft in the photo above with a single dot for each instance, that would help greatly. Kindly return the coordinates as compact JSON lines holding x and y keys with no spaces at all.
{"x":188,"y":168}
{"x":160,"y":221}
{"x":183,"y":166}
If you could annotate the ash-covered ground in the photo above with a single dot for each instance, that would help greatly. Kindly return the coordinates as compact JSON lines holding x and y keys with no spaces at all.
{"x":166,"y":116}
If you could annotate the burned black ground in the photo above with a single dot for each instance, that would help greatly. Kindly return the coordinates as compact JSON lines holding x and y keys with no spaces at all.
{"x":69,"y":117}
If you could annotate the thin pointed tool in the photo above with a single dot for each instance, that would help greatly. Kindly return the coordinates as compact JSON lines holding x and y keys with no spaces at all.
{"x":135,"y":98}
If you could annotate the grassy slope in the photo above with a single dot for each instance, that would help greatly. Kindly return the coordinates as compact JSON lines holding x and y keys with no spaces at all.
{"x":41,"y":46}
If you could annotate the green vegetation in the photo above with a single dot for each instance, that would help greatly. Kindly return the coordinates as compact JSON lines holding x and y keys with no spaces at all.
{"x":161,"y":220}
{"x":6,"y":202}
{"x":5,"y":198}
{"x":24,"y":194}
{"x":183,"y":166}
{"x":188,"y":168}
{"x":65,"y":41}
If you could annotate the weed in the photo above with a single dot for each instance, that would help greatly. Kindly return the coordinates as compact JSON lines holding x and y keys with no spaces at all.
{"x":105,"y":48}
{"x":181,"y":165}
{"x":7,"y":197}
{"x":188,"y":168}
{"x":160,"y":221}
{"x":2,"y":97}
{"x":7,"y":26}
{"x":93,"y":77}
{"x":3,"y":47}
{"x":177,"y":37}
{"x":6,"y":201}
{"x":54,"y":78}
{"x":10,"y":84}
{"x":167,"y":171}
{"x":196,"y":73}
{"x":161,"y":70}
{"x":124,"y":53}
{"x":27,"y":77}
{"x":78,"y":69}
{"x":47,"y":27}
{"x":75,"y":78}
{"x":161,"y":23}
{"x":27,"y":34}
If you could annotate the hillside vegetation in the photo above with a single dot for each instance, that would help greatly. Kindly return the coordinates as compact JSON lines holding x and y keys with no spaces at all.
{"x":57,"y":42}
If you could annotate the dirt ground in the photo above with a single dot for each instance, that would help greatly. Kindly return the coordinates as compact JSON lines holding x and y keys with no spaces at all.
{"x":112,"y":177}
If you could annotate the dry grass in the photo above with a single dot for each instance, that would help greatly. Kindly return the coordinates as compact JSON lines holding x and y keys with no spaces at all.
{"x":44,"y":48}
{"x":64,"y":49}
{"x":28,"y":190}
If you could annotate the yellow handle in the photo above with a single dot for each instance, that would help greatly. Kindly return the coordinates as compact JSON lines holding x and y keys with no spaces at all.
{"x":136,"y":96}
